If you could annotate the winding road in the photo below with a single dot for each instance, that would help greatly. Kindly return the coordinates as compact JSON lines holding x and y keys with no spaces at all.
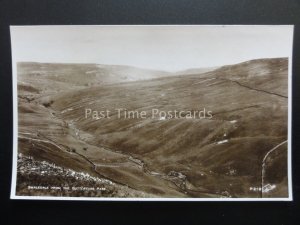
{"x":263,"y":169}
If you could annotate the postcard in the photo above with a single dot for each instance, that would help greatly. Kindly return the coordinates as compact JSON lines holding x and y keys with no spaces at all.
{"x":152,"y":113}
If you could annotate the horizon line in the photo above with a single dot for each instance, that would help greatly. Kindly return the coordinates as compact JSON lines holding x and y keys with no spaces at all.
{"x":152,"y":69}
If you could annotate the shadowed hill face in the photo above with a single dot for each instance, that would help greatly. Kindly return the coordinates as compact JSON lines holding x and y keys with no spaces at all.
{"x":192,"y":157}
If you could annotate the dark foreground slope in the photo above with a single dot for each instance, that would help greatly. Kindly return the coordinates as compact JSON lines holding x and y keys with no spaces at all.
{"x":169,"y":157}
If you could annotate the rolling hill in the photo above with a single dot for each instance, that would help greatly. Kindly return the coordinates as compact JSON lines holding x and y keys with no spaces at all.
{"x":220,"y":156}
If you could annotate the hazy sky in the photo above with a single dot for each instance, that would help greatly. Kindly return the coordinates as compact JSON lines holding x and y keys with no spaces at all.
{"x":168,"y":48}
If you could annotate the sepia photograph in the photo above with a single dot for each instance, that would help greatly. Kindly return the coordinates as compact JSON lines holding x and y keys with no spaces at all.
{"x":153,"y":113}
